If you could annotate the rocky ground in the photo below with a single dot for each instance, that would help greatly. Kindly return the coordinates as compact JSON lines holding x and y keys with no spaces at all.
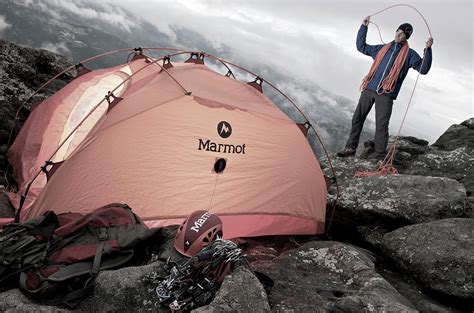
{"x":22,"y":72}
{"x":398,"y":243}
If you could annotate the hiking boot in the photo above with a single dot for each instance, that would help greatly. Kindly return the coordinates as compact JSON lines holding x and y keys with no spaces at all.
{"x":346,"y":152}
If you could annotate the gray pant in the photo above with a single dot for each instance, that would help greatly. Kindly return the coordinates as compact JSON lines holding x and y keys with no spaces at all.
{"x":383,"y":111}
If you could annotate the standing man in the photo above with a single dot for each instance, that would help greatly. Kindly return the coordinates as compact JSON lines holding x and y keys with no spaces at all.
{"x":382,"y":84}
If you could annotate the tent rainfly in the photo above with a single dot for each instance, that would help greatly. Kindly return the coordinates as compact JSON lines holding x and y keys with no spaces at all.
{"x":169,"y":139}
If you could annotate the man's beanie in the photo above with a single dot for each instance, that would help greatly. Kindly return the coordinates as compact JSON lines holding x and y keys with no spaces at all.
{"x":407,"y":29}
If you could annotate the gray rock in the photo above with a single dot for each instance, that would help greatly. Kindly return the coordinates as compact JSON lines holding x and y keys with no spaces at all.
{"x":438,"y":254}
{"x":451,"y":156}
{"x":345,"y":168}
{"x":6,"y":209}
{"x":456,"y":164}
{"x":372,"y":235}
{"x":240,"y":292}
{"x":408,"y":148}
{"x":126,"y":290}
{"x":469,"y":123}
{"x":457,"y":135}
{"x":165,"y":250}
{"x":22,"y":71}
{"x":123,"y":290}
{"x":132,"y":289}
{"x":400,"y":199}
{"x":416,"y":294}
{"x":13,"y":301}
{"x":326,"y":276}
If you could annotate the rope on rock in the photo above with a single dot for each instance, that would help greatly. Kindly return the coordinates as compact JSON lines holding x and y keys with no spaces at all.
{"x":386,"y":167}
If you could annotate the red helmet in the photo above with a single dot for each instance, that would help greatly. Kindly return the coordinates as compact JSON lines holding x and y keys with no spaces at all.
{"x":198,"y":231}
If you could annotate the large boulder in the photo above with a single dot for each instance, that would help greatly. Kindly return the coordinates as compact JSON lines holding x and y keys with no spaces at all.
{"x":323,"y":276}
{"x":240,"y":292}
{"x":123,"y":290}
{"x":399,"y":200}
{"x":457,"y":135}
{"x":415,"y":293}
{"x":456,"y":164}
{"x":450,"y":156}
{"x":438,"y":254}
{"x":133,"y":289}
{"x":126,"y":290}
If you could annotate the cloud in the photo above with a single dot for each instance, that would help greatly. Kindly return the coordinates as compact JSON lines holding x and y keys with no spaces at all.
{"x":3,"y":23}
{"x":60,"y":48}
{"x":25,"y":3}
{"x":113,"y":15}
{"x":107,"y":13}
{"x":314,"y":41}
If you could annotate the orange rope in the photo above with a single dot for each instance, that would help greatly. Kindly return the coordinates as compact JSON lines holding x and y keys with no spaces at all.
{"x":406,"y":5}
{"x":386,"y":167}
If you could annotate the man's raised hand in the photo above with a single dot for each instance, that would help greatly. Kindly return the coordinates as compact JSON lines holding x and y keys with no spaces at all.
{"x":429,"y":42}
{"x":366,"y":21}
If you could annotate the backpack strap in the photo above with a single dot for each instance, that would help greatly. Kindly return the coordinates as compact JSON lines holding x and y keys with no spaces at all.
{"x":11,"y":276}
{"x":103,"y":236}
{"x":72,"y":299}
{"x":81,"y":268}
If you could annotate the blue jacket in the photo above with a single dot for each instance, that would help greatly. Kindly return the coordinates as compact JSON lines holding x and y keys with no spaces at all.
{"x":413,"y":61}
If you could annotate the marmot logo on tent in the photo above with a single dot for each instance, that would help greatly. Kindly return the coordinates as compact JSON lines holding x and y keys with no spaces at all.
{"x":224,"y":129}
{"x":208,"y":145}
{"x":200,"y":221}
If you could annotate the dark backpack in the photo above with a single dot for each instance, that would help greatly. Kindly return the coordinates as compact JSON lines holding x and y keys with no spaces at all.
{"x":62,"y":254}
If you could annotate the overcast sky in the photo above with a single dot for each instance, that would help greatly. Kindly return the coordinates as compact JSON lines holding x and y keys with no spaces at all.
{"x":315,"y":40}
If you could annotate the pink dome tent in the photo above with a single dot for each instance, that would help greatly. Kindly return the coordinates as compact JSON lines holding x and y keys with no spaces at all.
{"x":169,"y":138}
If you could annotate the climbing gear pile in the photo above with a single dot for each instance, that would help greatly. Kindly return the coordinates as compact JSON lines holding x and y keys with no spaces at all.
{"x":192,"y":282}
